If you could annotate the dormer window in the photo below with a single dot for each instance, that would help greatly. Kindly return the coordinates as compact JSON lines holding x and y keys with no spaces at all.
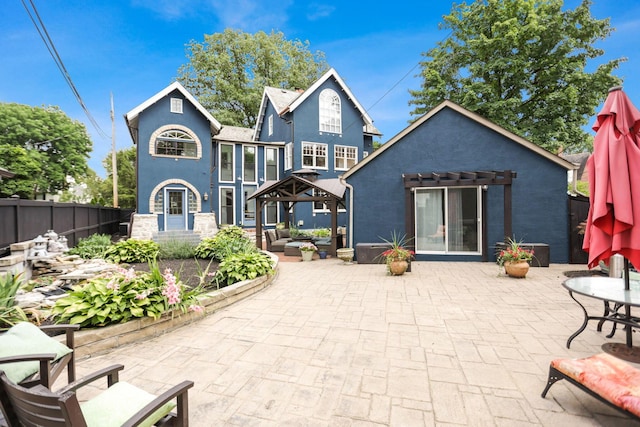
{"x":330,"y":112}
{"x":176,"y":105}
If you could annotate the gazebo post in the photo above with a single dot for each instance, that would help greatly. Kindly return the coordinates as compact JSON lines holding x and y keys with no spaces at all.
{"x":259,"y":203}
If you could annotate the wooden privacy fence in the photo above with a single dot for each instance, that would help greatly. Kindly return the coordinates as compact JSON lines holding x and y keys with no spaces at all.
{"x":22,"y":220}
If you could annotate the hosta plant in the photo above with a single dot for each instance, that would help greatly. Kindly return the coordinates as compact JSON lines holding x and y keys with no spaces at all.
{"x":245,"y":266}
{"x":132,"y":251}
{"x":91,"y":247}
{"x":122,"y":295}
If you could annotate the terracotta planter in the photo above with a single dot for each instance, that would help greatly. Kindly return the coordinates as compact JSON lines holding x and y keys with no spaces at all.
{"x":398,"y":268}
{"x":307,"y":255}
{"x":517,"y":269}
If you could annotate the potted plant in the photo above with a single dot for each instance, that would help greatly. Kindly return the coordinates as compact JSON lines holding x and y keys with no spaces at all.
{"x":515,"y":259}
{"x":397,"y":257}
{"x":307,"y":249}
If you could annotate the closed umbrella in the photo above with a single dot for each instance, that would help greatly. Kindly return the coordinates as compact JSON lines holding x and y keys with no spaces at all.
{"x":613,"y":223}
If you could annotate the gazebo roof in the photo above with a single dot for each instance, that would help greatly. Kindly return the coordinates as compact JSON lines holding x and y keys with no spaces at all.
{"x":296,"y":188}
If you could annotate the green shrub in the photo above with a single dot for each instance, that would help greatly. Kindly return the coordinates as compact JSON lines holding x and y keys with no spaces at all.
{"x":123,"y":295}
{"x":176,"y":249}
{"x":245,"y":266}
{"x":131,"y":251}
{"x":10,"y":313}
{"x":322,"y":232}
{"x":229,"y":240}
{"x":91,"y":247}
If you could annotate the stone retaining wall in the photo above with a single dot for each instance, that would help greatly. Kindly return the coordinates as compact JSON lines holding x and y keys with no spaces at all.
{"x":90,"y":342}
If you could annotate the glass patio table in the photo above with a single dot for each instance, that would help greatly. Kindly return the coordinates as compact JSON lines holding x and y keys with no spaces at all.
{"x":617,"y":309}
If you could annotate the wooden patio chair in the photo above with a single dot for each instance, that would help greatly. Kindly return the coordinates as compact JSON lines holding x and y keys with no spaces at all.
{"x":21,"y":342}
{"x":120,"y":404}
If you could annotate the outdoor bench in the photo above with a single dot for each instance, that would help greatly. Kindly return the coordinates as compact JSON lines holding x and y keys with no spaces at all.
{"x":604,"y":377}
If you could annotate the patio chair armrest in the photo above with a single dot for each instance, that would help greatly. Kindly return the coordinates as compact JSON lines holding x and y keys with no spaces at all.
{"x":45,"y":360}
{"x":178,"y":391}
{"x":111,"y":372}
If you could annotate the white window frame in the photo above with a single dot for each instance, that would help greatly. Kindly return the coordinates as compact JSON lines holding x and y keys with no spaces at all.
{"x":270,"y":124}
{"x":255,"y":164}
{"x":233,"y":163}
{"x":176,"y":105}
{"x":330,"y":111}
{"x":266,"y":216}
{"x":275,"y":150}
{"x":315,"y":148}
{"x":325,"y":209}
{"x":176,"y":135}
{"x":288,"y":156}
{"x":344,"y":156}
{"x":233,"y":206}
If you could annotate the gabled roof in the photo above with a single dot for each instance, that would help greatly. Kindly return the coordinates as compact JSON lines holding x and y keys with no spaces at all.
{"x":234,"y":134}
{"x":132,"y":116}
{"x":295,"y":185}
{"x":285,"y":101}
{"x":473,"y":116}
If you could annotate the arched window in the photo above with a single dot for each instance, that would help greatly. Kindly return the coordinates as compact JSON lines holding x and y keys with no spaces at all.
{"x":330,"y":112}
{"x":176,"y":143}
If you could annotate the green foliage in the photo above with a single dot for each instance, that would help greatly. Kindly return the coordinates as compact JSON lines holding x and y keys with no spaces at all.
{"x":322,"y":232}
{"x":132,"y":251}
{"x":229,"y":70}
{"x":42,"y":146}
{"x":523,"y":65}
{"x":91,"y":247}
{"x":126,"y":172}
{"x":10,"y":313}
{"x":582,"y":187}
{"x":124,"y":295}
{"x":227,"y":241}
{"x":176,"y":249}
{"x":243,"y":266}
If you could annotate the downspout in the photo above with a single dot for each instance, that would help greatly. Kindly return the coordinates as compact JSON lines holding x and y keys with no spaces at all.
{"x":350,"y":225}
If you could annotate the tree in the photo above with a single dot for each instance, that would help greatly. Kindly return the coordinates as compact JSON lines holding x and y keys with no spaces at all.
{"x":46,"y":146}
{"x":521,"y":64}
{"x":228,"y":72}
{"x":126,"y":166}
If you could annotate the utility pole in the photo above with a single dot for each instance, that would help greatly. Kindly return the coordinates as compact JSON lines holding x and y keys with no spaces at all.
{"x":114,"y":167}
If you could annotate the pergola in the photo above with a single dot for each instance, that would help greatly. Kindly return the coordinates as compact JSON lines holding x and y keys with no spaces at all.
{"x":302,"y":186}
{"x":460,"y":179}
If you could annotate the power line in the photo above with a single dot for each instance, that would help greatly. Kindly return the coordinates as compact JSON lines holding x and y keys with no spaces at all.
{"x":44,"y":35}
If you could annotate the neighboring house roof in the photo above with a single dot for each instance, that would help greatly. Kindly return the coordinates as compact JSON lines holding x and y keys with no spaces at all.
{"x":473,"y":116}
{"x":580,"y":160}
{"x":6,"y":174}
{"x":285,"y":101}
{"x":132,"y":116}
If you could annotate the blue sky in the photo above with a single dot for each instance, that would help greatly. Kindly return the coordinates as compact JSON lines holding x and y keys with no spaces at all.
{"x":133,"y":49}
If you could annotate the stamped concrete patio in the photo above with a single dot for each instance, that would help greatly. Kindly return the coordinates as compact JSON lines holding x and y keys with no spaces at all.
{"x":328,"y":344}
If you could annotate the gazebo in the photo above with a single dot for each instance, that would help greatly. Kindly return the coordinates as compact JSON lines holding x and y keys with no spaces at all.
{"x":302,"y":186}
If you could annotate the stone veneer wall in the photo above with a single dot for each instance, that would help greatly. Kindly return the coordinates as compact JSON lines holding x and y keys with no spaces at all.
{"x":144,"y":226}
{"x":16,"y":263}
{"x":205,"y":224}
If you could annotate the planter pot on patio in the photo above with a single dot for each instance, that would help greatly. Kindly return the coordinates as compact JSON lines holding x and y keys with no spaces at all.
{"x":306,"y":255}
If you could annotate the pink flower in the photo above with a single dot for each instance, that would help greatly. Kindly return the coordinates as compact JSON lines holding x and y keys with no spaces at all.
{"x":196,"y":308}
{"x":114,"y":285}
{"x":171,"y":289}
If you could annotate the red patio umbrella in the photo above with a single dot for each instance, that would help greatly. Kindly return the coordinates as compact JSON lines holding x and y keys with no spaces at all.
{"x":613,"y":223}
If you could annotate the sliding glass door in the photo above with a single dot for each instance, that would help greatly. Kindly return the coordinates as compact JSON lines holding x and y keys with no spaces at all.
{"x":448,"y":220}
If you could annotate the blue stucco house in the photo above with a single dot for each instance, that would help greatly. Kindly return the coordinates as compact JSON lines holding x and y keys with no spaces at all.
{"x":194,"y":173}
{"x":456,"y":183}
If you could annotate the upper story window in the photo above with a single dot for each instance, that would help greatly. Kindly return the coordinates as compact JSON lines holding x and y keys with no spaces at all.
{"x":271,"y":164}
{"x":249,"y":163}
{"x":288,"y":156}
{"x":176,"y":105}
{"x":270,"y":124}
{"x":314,"y":155}
{"x":330,"y":112}
{"x":345,"y":157}
{"x":226,"y":163}
{"x":176,"y":143}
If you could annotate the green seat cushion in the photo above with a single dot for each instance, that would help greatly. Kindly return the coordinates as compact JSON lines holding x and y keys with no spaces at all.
{"x":23,"y":339}
{"x":118,"y":403}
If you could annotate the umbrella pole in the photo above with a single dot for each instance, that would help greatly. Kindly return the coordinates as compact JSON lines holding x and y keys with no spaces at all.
{"x":627,"y":308}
